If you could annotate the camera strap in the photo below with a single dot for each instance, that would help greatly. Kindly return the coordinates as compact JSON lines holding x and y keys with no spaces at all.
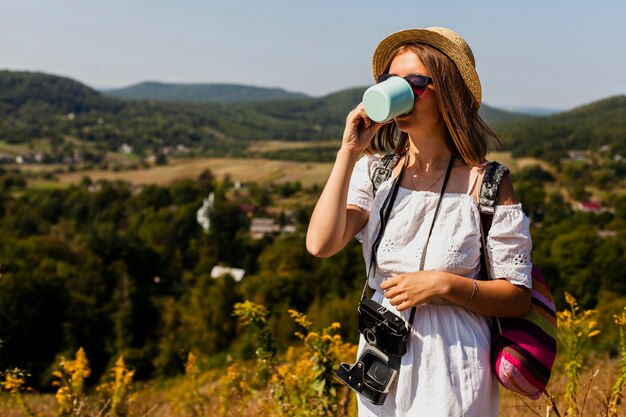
{"x":385,"y":212}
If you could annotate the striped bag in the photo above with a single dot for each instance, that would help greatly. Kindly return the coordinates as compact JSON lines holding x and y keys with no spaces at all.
{"x":523,"y":348}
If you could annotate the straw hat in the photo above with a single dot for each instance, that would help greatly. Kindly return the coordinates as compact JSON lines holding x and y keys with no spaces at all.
{"x":445,"y":40}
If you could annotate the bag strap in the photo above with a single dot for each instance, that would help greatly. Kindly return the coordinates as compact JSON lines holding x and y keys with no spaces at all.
{"x":488,"y":196}
{"x":487,"y":199}
{"x":383,"y":169}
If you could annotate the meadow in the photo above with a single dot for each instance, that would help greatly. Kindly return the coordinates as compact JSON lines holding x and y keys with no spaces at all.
{"x":300,"y":381}
{"x":238,"y":169}
{"x":256,"y":169}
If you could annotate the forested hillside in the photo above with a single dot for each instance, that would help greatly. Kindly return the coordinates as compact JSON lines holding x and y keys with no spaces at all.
{"x":37,"y":106}
{"x":24,"y":91}
{"x":591,"y":127}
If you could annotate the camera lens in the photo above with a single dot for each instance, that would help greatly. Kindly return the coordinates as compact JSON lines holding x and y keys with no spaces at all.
{"x":378,"y":374}
{"x":370,"y":336}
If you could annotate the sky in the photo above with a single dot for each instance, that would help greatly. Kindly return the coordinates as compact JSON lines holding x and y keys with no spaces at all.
{"x":553,"y":54}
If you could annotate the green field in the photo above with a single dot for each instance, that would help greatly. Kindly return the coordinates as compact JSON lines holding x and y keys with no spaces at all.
{"x":238,"y":169}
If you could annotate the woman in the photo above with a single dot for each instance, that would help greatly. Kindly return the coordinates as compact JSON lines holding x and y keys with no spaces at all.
{"x":446,"y":370}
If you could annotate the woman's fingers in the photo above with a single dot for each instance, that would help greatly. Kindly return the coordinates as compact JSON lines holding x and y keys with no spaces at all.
{"x":397,"y":299}
{"x":389,"y":283}
{"x":401,"y":292}
{"x":401,"y":301}
{"x":392,"y":292}
{"x":360,"y":129}
{"x":359,"y":113}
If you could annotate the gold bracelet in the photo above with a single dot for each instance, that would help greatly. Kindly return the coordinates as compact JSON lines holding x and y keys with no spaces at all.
{"x":474,"y":289}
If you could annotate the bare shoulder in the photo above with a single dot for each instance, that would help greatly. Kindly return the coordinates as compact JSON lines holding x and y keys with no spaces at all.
{"x":506,"y":194}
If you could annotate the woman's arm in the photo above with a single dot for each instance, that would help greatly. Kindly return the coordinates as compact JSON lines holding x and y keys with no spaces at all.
{"x":333,"y":224}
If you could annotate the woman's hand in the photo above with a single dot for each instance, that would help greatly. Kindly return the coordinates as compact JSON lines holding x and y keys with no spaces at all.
{"x":359,"y":130}
{"x":494,"y":298}
{"x":407,"y":290}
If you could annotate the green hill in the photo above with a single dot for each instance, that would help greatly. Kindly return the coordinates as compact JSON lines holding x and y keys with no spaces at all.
{"x":39,"y":106}
{"x":20,"y":89}
{"x":293,"y":106}
{"x":494,"y":115}
{"x":200,"y":93}
{"x":589,"y":127}
{"x":328,"y":113}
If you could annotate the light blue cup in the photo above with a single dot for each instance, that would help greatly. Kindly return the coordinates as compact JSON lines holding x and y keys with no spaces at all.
{"x":393,"y":97}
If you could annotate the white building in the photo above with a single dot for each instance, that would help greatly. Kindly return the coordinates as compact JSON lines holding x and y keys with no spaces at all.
{"x":219,"y":271}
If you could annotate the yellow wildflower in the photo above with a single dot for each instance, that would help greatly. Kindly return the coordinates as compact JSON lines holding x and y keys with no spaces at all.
{"x":569,"y":298}
{"x":301,"y":319}
{"x":191,"y":366}
{"x":621,"y":319}
{"x":594,"y":333}
{"x":118,"y":387}
{"x":13,"y":383}
{"x":71,"y":376}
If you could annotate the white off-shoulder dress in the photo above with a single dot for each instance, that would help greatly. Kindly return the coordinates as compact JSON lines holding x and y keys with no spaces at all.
{"x":446,"y":371}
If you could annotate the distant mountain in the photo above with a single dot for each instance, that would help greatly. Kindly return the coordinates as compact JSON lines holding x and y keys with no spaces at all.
{"x":200,"y":93}
{"x":333,"y":108}
{"x":494,"y":115}
{"x":21,"y":88}
{"x":535,"y":111}
{"x":42,"y":106}
{"x":588,"y":127}
{"x":233,"y":93}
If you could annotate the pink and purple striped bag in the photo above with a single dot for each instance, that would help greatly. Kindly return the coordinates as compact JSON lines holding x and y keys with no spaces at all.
{"x":523,"y":348}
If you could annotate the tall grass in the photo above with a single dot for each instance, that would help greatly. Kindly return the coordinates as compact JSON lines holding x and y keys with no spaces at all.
{"x":301,"y":383}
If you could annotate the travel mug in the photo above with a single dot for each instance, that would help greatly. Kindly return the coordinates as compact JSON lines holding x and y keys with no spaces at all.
{"x":384,"y":101}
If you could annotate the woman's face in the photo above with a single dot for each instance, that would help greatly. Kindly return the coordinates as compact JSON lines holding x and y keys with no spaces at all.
{"x":425,"y":117}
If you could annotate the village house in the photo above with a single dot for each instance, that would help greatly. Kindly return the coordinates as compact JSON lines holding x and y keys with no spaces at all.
{"x":261,"y":226}
{"x":219,"y":271}
{"x":588,"y":206}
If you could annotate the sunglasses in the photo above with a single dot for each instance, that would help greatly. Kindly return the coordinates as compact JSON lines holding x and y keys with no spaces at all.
{"x":418,"y":82}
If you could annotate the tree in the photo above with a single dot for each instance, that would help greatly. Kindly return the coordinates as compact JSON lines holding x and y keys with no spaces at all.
{"x":573,"y":254}
{"x":532,"y":197}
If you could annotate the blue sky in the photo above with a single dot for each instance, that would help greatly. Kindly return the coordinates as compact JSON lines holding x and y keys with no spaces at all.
{"x":551,"y":53}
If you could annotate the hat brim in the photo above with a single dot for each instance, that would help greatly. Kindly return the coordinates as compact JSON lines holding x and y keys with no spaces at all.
{"x":462,"y":59}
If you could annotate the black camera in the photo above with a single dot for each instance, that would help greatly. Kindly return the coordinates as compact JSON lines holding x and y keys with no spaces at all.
{"x":386,"y":335}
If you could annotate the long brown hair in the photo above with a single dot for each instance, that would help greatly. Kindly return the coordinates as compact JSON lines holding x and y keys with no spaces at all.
{"x":468,"y":136}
